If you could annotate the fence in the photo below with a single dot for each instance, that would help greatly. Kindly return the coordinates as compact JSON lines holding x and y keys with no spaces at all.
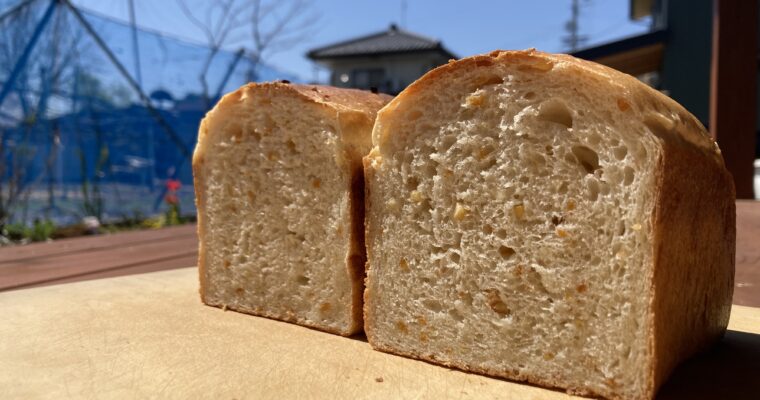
{"x":96,"y":116}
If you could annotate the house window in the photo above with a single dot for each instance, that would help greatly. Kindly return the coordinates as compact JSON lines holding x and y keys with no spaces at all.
{"x":368,"y":78}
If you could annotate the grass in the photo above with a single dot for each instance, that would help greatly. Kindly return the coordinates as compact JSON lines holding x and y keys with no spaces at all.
{"x":44,"y":230}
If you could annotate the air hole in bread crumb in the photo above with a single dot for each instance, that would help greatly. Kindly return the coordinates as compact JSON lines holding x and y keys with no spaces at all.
{"x":621,"y":228}
{"x":302,"y":280}
{"x":465,"y":297}
{"x":529,"y":95}
{"x":316,"y":183}
{"x":487,"y":229}
{"x":431,"y":169}
{"x":236,"y":132}
{"x":506,"y":252}
{"x":501,"y":233}
{"x":403,"y":265}
{"x":483,"y":62}
{"x":538,"y":65}
{"x":455,"y":257}
{"x":456,"y":315}
{"x":432,"y":305}
{"x":291,"y":146}
{"x":620,"y":152}
{"x":401,"y":326}
{"x":593,"y":189}
{"x":562,"y":188}
{"x":588,"y":158}
{"x":484,"y":151}
{"x":412,"y":183}
{"x":496,"y":304}
{"x":446,"y":142}
{"x":628,"y":174}
{"x":489,"y":80}
{"x":555,"y":111}
{"x":227,"y":263}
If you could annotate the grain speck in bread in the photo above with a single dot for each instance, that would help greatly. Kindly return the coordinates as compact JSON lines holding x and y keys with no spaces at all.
{"x":542,"y":218}
{"x":279,"y":192}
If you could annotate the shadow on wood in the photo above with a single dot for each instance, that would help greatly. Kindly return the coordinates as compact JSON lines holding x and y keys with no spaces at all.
{"x":730,"y":370}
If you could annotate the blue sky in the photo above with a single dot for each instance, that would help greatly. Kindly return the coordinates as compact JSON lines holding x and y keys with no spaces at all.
{"x":464,"y":27}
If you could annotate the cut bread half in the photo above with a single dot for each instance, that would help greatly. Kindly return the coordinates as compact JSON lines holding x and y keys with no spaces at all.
{"x":542,"y":218}
{"x":279,"y":192}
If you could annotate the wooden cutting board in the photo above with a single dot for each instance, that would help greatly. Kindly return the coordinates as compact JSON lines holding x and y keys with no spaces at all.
{"x":148,"y":336}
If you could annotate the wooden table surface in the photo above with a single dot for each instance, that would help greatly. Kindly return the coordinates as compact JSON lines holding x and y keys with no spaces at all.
{"x":169,"y":248}
{"x":149,"y":336}
{"x":94,"y":257}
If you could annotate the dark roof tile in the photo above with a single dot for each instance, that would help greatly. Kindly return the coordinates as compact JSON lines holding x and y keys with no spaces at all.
{"x":394,"y":40}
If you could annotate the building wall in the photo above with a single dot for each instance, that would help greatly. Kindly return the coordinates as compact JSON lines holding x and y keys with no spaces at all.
{"x":685,"y":75}
{"x":400,"y":70}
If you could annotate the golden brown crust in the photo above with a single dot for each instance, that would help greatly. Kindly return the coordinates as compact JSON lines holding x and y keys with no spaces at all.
{"x":355,"y":111}
{"x":694,"y":249}
{"x":200,"y":204}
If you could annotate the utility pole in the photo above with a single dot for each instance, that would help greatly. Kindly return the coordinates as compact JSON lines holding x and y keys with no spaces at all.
{"x":573,"y":41}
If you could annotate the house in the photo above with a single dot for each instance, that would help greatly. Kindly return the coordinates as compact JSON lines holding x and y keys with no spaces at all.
{"x":388,"y":60}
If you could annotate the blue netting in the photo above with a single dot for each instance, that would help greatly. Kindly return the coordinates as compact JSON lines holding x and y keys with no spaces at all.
{"x":76,"y":139}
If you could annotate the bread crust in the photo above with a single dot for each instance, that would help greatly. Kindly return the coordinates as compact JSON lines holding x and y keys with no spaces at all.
{"x":354,"y":112}
{"x":693,"y":245}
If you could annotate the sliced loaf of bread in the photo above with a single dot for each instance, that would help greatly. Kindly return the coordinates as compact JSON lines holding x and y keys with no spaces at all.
{"x":279,"y":192}
{"x":542,"y":218}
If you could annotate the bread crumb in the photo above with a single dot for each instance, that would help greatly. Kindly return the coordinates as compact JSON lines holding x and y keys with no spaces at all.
{"x":392,"y":205}
{"x":459,"y":212}
{"x":474,"y":100}
{"x":496,"y":304}
{"x":519,"y":211}
{"x":379,"y":379}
